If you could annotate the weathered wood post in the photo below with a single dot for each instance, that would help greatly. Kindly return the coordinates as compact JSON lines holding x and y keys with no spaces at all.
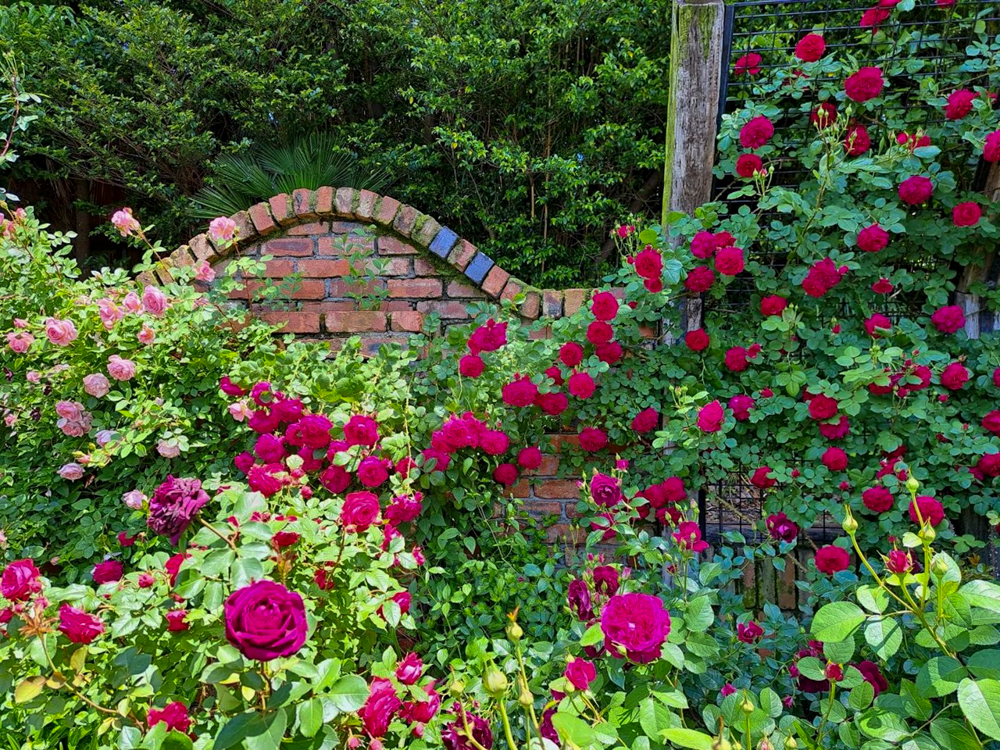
{"x":696,"y":51}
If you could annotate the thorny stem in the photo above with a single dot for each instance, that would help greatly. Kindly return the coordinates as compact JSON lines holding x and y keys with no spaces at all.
{"x":219,"y":534}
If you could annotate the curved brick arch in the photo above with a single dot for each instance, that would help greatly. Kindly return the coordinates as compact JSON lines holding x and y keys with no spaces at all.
{"x":430,"y":269}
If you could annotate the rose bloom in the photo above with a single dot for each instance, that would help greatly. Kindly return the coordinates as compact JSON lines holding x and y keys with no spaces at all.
{"x":688,"y":537}
{"x":877,"y":324}
{"x":831,"y":559}
{"x":882,"y":286}
{"x":748,"y":64}
{"x":872,"y":17}
{"x":637,"y":624}
{"x":265,"y":620}
{"x":454,"y":737}
{"x":96,"y":385}
{"x":154,"y":301}
{"x":954,"y":376}
{"x":822,"y":407}
{"x":948,"y":319}
{"x":781,"y":528}
{"x":108,"y":571}
{"x":834,"y":459}
{"x":773,"y":305}
{"x":19,"y":342}
{"x":762,"y":478}
{"x":360,"y":511}
{"x":174,"y":506}
{"x":747,"y":165}
{"x":704,"y":244}
{"x":877,"y":499}
{"x":610,"y":352}
{"x":599,"y":332}
{"x":931,"y":510}
{"x":873,"y":238}
{"x":966,"y":214}
{"x":605,"y":580}
{"x":991,"y":422}
{"x":174,"y":715}
{"x":916,"y":190}
{"x":109,"y":312}
{"x":204,"y":272}
{"x":864,"y":85}
{"x":60,"y":332}
{"x":604,"y":306}
{"x":168,"y":449}
{"x":729,"y":261}
{"x":740,"y":405}
{"x":711,"y":417}
{"x":648,"y":419}
{"x":991,"y":149}
{"x":873,"y":676}
{"x":222,"y":230}
{"x":361,"y":430}
{"x":699,"y":279}
{"x":959,"y":104}
{"x":471,"y":366}
{"x":571,"y":354}
{"x":756,"y":133}
{"x":581,"y":385}
{"x":736,"y":359}
{"x":822,"y":277}
{"x":856,"y":140}
{"x":520,"y":392}
{"x":121,"y":369}
{"x":696,"y":340}
{"x":899,"y":561}
{"x":592,"y":439}
{"x":410,"y":669}
{"x":177,"y":621}
{"x":649,"y":264}
{"x":505,"y":474}
{"x":580,"y":673}
{"x":605,"y":490}
{"x":71,"y":471}
{"x":530,"y":457}
{"x":810,"y":48}
{"x":20,"y":580}
{"x":131,"y":303}
{"x":79,"y":626}
{"x":373,"y":471}
{"x":552,"y":404}
{"x":494,"y":442}
{"x":124,"y":222}
{"x":749,"y":632}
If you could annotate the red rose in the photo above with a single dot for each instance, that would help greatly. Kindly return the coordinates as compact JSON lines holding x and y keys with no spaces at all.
{"x":335,"y":479}
{"x":931,"y":511}
{"x":740,"y":406}
{"x":959,"y":104}
{"x":836,"y":431}
{"x":821,"y":278}
{"x":648,"y":419}
{"x":869,"y":670}
{"x":822,"y":407}
{"x":711,"y":417}
{"x":79,"y":626}
{"x":916,"y":190}
{"x":991,"y":150}
{"x":505,"y":474}
{"x":773,"y":305}
{"x":581,"y":385}
{"x":876,"y":324}
{"x":756,"y":133}
{"x":883,"y":286}
{"x":899,"y":561}
{"x":781,"y":528}
{"x":361,"y":510}
{"x":703,"y":244}
{"x":866,"y":84}
{"x":519,"y":393}
{"x":762,"y":478}
{"x":488,"y":338}
{"x":748,"y":64}
{"x":966,"y":214}
{"x":830,"y":559}
{"x":736,"y":359}
{"x":729,"y":261}
{"x":810,"y":48}
{"x":948,"y":319}
{"x":873,"y":238}
{"x":571,"y":354}
{"x":834,"y":459}
{"x":494,"y":442}
{"x":177,"y":621}
{"x":174,"y":715}
{"x":373,"y":471}
{"x":107,"y":572}
{"x":873,"y":17}
{"x":610,"y":352}
{"x":823,"y":114}
{"x":243,"y":461}
{"x":747,"y":165}
{"x":580,"y":673}
{"x":20,"y":580}
{"x":471,"y":366}
{"x":989,"y":464}
{"x":877,"y":499}
{"x":991,"y":422}
{"x":749,"y":632}
{"x":552,"y":403}
{"x":856,"y":140}
{"x":649,"y":264}
{"x":592,"y":439}
{"x":554,"y":374}
{"x":697,"y":340}
{"x":954,"y":376}
{"x":604,"y":306}
{"x":699,"y":279}
{"x":599,"y":332}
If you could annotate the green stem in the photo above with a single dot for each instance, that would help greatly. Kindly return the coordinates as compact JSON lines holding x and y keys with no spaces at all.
{"x":502,"y":703}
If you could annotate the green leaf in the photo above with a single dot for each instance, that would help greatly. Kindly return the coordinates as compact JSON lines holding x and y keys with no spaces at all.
{"x":916,"y":705}
{"x":176,"y":741}
{"x":873,"y":598}
{"x":593,"y":636}
{"x":983,"y":594}
{"x":980,"y":702}
{"x":884,"y":635}
{"x":985,"y":664}
{"x":699,"y":615}
{"x":653,"y":717}
{"x":573,"y":729}
{"x":839,"y":652}
{"x":349,"y":693}
{"x":29,"y":689}
{"x":254,"y":731}
{"x":861,"y":696}
{"x":310,"y":716}
{"x":681,"y":737}
{"x":940,"y":676}
{"x":951,"y":735}
{"x":836,"y":621}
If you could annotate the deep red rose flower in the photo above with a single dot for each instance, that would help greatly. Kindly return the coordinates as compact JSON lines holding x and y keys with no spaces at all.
{"x":822,"y":407}
{"x":948,"y":319}
{"x":740,"y":405}
{"x":748,"y":64}
{"x":79,"y":626}
{"x":578,"y":600}
{"x":899,"y":561}
{"x":488,"y":338}
{"x":762,"y":478}
{"x":989,"y":464}
{"x":554,"y":374}
{"x":174,"y":715}
{"x":610,"y":352}
{"x":605,"y":490}
{"x":729,"y":261}
{"x":831,"y":559}
{"x":877,"y":325}
{"x":581,"y":385}
{"x":175,"y":504}
{"x":991,"y":422}
{"x":954,"y":376}
{"x":823,"y":115}
{"x":837,"y":430}
{"x":996,"y":377}
{"x":834,"y":459}
{"x":530,"y":457}
{"x":864,"y":85}
{"x":580,"y":673}
{"x":873,"y":238}
{"x":108,"y":571}
{"x":736,"y":359}
{"x":673,"y":490}
{"x":810,"y":48}
{"x":991,"y":150}
{"x":821,"y":278}
{"x":177,"y":621}
{"x":872,"y":17}
{"x":916,"y":190}
{"x":261,"y":394}
{"x":260,"y":479}
{"x":553,"y":403}
{"x":604,"y":306}
{"x":913,"y":140}
{"x":269,"y":449}
{"x":699,"y":279}
{"x":756,"y":133}
{"x":471,"y":366}
{"x":571,"y":354}
{"x":20,"y":580}
{"x":244,"y":461}
{"x":688,"y":537}
{"x":410,"y":669}
{"x":360,"y":511}
{"x":373,"y":471}
{"x":519,"y":393}
{"x":747,"y":165}
{"x":382,"y":704}
{"x":287,"y":410}
{"x":173,"y":566}
{"x":230,"y":388}
{"x":773,"y":305}
{"x":959,"y":104}
{"x":652,"y":285}
{"x":749,"y":632}
{"x":931,"y":510}
{"x":335,"y":479}
{"x":882,"y":286}
{"x":781,"y":528}
{"x":599,"y":332}
{"x":405,"y":508}
{"x":592,"y":439}
{"x":966,"y":214}
{"x":649,"y":264}
{"x":856,"y":140}
{"x":494,"y":442}
{"x":873,"y":676}
{"x":636,"y":624}
{"x":877,"y":499}
{"x":648,"y":419}
{"x":455,"y":737}
{"x":505,"y":474}
{"x":703,"y":244}
{"x":696,"y":340}
{"x":711,"y":417}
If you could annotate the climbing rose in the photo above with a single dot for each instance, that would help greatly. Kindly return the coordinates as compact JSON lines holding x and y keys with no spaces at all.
{"x":96,"y":385}
{"x":154,"y":301}
{"x":60,"y":332}
{"x":311,"y":431}
{"x":20,"y":342}
{"x":471,"y":366}
{"x":740,"y":405}
{"x":174,"y":505}
{"x":821,"y":278}
{"x":991,"y":422}
{"x":604,"y":306}
{"x":649,"y":264}
{"x":756,"y":133}
{"x":959,"y":104}
{"x":866,"y":84}
{"x":610,"y":352}
{"x":488,"y":338}
{"x":647,"y":420}
{"x":899,"y":561}
{"x":873,"y":676}
{"x":361,"y":430}
{"x":505,"y":474}
{"x":124,"y":222}
{"x":373,"y":471}
{"x":991,"y":149}
{"x":494,"y":442}
{"x":747,"y":165}
{"x":204,"y":272}
{"x":578,"y":600}
{"x":404,"y":508}
{"x":872,"y":17}
{"x":553,"y":404}
{"x":711,"y":417}
{"x":264,"y":620}
{"x":930,"y":509}
{"x":916,"y":190}
{"x":688,"y":537}
{"x":177,"y":621}
{"x":810,"y":48}
{"x":20,"y":580}
{"x":873,"y":238}
{"x":520,"y":392}
{"x":736,"y":359}
{"x":637,"y":624}
{"x":834,"y":459}
{"x":877,"y":323}
{"x":79,"y":626}
{"x":748,"y":64}
{"x":699,"y":279}
{"x":749,"y":632}
{"x":174,"y":715}
{"x":883,"y":286}
{"x":781,"y":528}
{"x":773,"y":305}
{"x":592,"y":439}
{"x":761,"y":478}
{"x":703,"y":244}
{"x":230,"y":388}
{"x":580,"y":673}
{"x":822,"y":407}
{"x":571,"y":354}
{"x":696,"y":340}
{"x":410,"y":669}
{"x":877,"y":499}
{"x":948,"y":319}
{"x":605,"y":490}
{"x":605,"y":580}
{"x":453,"y":736}
{"x":222,"y":229}
{"x":581,"y":385}
{"x":856,"y":140}
{"x":108,"y":571}
{"x":599,"y":332}
{"x":831,"y":559}
{"x":966,"y":214}
{"x":729,"y":261}
{"x":361,"y":510}
{"x":954,"y":376}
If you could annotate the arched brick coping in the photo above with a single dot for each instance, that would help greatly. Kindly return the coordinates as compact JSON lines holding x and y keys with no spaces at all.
{"x":421,"y":286}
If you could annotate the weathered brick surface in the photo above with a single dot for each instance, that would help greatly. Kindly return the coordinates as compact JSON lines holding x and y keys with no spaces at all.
{"x":324,"y":269}
{"x":386,"y":211}
{"x":573,"y":300}
{"x":389,"y":245}
{"x":405,"y":220}
{"x":345,"y":201}
{"x":304,"y":203}
{"x":202,"y":248}
{"x":324,"y":201}
{"x":495,"y":280}
{"x":447,"y":310}
{"x":462,"y":290}
{"x":300,"y":247}
{"x":308,"y":230}
{"x":407,"y":321}
{"x":263,"y":222}
{"x":295,"y":321}
{"x":416,"y":288}
{"x":356,"y":322}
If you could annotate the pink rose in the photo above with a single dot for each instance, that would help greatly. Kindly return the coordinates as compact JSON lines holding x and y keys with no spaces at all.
{"x":410,"y":669}
{"x":121,"y":369}
{"x":71,"y":471}
{"x":154,"y":301}
{"x":749,"y":632}
{"x":134,"y":499}
{"x":174,"y":715}
{"x":711,"y":417}
{"x":204,"y":272}
{"x":108,"y":571}
{"x":360,"y":511}
{"x":109,"y":312}
{"x":605,"y":490}
{"x":222,"y":230}
{"x":580,"y":673}
{"x":20,"y":580}
{"x":168,"y":448}
{"x":373,"y":471}
{"x":381,"y":706}
{"x":96,"y":385}
{"x":60,"y":332}
{"x":132,"y":303}
{"x":637,"y":624}
{"x":146,"y":334}
{"x":79,"y":626}
{"x":177,"y":621}
{"x":20,"y":342}
{"x":125,"y":223}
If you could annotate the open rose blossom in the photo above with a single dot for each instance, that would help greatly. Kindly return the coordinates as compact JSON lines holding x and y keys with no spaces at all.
{"x":948,"y":319}
{"x":810,"y":48}
{"x":781,"y":528}
{"x":605,"y":490}
{"x":60,"y":332}
{"x":580,"y":673}
{"x":264,"y":620}
{"x":20,"y":580}
{"x":916,"y":190}
{"x":756,"y":133}
{"x":454,"y":736}
{"x":174,"y":715}
{"x":120,"y":369}
{"x":711,"y":417}
{"x":873,"y":676}
{"x":361,"y":510}
{"x":174,"y":505}
{"x":831,"y":559}
{"x":930,"y":510}
{"x":222,"y":230}
{"x":637,"y":624}
{"x":108,"y":571}
{"x":79,"y":626}
{"x":382,"y":704}
{"x":749,"y":632}
{"x":864,"y":85}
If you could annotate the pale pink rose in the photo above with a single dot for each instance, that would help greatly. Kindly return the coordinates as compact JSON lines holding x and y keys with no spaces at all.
{"x":222,"y":230}
{"x":154,"y":301}
{"x":110,"y":312}
{"x":84,"y":459}
{"x":134,"y":499}
{"x":9,"y":419}
{"x":20,"y":323}
{"x":20,"y":342}
{"x":33,"y":376}
{"x":57,"y":369}
{"x":75,"y":427}
{"x":131,"y":303}
{"x":96,"y":385}
{"x":168,"y":449}
{"x":204,"y":272}
{"x":104,"y":437}
{"x":240,"y":411}
{"x":124,"y":222}
{"x":71,"y":471}
{"x":71,"y":410}
{"x":146,"y":335}
{"x":121,"y":369}
{"x":60,"y":332}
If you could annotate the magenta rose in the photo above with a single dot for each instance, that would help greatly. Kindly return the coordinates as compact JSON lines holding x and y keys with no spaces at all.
{"x":711,"y":417}
{"x":873,"y":238}
{"x":404,"y":508}
{"x":773,"y":305}
{"x":79,"y":626}
{"x":899,"y":561}
{"x":948,"y":319}
{"x":646,"y":420}
{"x":649,"y":264}
{"x":312,"y":431}
{"x":605,"y":580}
{"x":174,"y":715}
{"x":520,"y":392}
{"x":729,"y":261}
{"x":877,"y":499}
{"x":696,"y":340}
{"x":835,"y":459}
{"x":107,"y":572}
{"x":373,"y":471}
{"x":530,"y":457}
{"x":747,"y":165}
{"x":410,"y":669}
{"x":605,"y":490}
{"x":604,"y":306}
{"x":930,"y":510}
{"x":762,"y":478}
{"x":916,"y":190}
{"x":361,"y":510}
{"x":505,"y":474}
{"x":421,"y":712}
{"x":873,"y":676}
{"x":593,"y":439}
{"x":264,"y":620}
{"x":580,"y":673}
{"x":966,"y":214}
{"x":471,"y":366}
{"x":954,"y":376}
{"x":831,"y":559}
{"x":581,"y":385}
{"x":20,"y":580}
{"x":756,"y":133}
{"x":454,"y":737}
{"x":959,"y":104}
{"x":637,"y":624}
{"x":749,"y":632}
{"x":822,"y":407}
{"x":866,"y":84}
{"x":781,"y":528}
{"x":381,"y":706}
{"x":578,"y":600}
{"x":174,"y":505}
{"x":810,"y":48}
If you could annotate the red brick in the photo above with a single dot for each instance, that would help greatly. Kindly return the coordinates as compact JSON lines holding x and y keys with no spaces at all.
{"x":305,"y":289}
{"x":244,"y":226}
{"x":278,"y":269}
{"x":324,"y":201}
{"x":387,"y":210}
{"x":648,"y":332}
{"x":341,"y":245}
{"x":540,"y":507}
{"x":552,"y":303}
{"x":415,"y":288}
{"x":494,"y":282}
{"x":327,"y":306}
{"x":462,"y":254}
{"x":574,"y":300}
{"x":549,"y":465}
{"x":424,"y":267}
{"x":297,"y":246}
{"x":389,"y":245}
{"x":313,"y":227}
{"x":367,"y":200}
{"x":410,"y":321}
{"x":263,"y":222}
{"x":532,"y":305}
{"x":522,"y":489}
{"x":282,"y":209}
{"x":405,"y":220}
{"x":567,"y":441}
{"x":345,"y":201}
{"x":162,"y":271}
{"x":181,"y":257}
{"x":447,"y":310}
{"x":426,"y":233}
{"x":563,"y":532}
{"x":304,"y":203}
{"x":512,"y":289}
{"x":295,"y":322}
{"x":356,"y":322}
{"x":344,"y":288}
{"x":462,"y":290}
{"x":395,"y":267}
{"x":324,"y":269}
{"x":559,"y":488}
